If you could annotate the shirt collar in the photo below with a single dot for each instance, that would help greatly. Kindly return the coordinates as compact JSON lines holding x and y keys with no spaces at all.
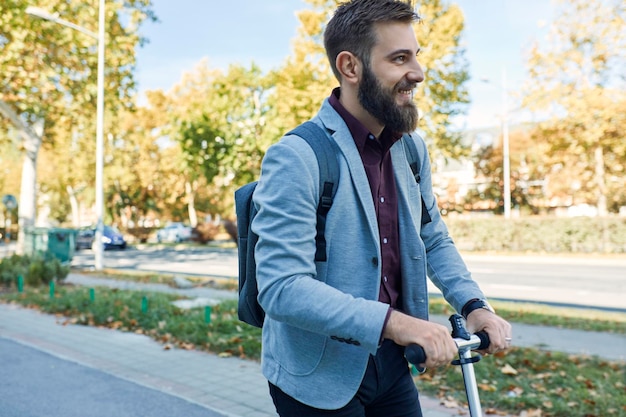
{"x":359,"y":132}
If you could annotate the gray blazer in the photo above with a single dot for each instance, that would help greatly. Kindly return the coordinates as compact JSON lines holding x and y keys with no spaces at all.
{"x":323,"y":320}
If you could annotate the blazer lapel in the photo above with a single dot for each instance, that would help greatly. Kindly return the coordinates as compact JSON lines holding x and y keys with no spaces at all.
{"x":341,"y":134}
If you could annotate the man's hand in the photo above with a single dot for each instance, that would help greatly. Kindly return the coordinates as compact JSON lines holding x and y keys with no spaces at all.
{"x":499,"y":330}
{"x":436,"y":340}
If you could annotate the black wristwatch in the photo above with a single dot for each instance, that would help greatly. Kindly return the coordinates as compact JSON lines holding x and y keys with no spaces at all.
{"x":475,"y":304}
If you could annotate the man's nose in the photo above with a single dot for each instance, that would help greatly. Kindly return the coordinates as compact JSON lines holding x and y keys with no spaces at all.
{"x":416,"y":74}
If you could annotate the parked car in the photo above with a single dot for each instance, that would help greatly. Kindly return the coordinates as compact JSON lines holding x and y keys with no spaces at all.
{"x":174,"y":232}
{"x":112,"y":238}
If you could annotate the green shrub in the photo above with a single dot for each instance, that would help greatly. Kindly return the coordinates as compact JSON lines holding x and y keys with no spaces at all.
{"x":35,"y":270}
{"x":540,"y":234}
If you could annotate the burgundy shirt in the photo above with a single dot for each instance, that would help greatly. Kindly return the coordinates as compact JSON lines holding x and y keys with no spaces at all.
{"x":379,"y":169}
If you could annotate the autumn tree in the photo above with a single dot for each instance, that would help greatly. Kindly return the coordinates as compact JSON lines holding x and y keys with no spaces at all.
{"x":576,"y":84}
{"x":528,"y":173}
{"x":48,"y":89}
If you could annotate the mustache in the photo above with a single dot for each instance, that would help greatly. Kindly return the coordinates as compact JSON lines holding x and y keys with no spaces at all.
{"x":405,"y":85}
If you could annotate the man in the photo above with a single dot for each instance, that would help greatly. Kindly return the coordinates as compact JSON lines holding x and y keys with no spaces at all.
{"x":335,"y":331}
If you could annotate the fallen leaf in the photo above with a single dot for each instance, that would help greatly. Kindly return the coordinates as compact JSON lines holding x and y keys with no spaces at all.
{"x":187,"y":346}
{"x":225,"y":355}
{"x":494,"y":412}
{"x":508,"y":370}
{"x":487,"y":387}
{"x":450,"y":403}
{"x":531,"y":413}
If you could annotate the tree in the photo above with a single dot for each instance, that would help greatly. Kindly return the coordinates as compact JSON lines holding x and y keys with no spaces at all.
{"x":576,"y":80}
{"x":49,"y":77}
{"x":221,"y":133}
{"x":528,"y":172}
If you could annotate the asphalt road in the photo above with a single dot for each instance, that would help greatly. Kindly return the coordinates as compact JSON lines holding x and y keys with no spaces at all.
{"x":572,"y":280}
{"x":34,"y":383}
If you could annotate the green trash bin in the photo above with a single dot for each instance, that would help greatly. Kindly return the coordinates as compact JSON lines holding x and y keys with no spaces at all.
{"x":55,"y":242}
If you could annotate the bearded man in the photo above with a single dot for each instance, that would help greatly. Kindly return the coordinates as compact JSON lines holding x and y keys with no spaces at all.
{"x":334,"y":332}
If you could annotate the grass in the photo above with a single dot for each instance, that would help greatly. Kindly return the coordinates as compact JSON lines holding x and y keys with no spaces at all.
{"x":545,"y":315}
{"x":540,"y":383}
{"x":152,"y":314}
{"x":531,"y":381}
{"x":161,"y":278}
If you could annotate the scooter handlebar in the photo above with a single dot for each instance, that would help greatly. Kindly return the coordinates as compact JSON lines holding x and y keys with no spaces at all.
{"x":416,"y":355}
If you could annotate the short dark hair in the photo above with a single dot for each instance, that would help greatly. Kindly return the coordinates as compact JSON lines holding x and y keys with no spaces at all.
{"x":352,"y":26}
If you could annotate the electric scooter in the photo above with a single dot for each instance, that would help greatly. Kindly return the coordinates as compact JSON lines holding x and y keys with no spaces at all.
{"x":466,"y":343}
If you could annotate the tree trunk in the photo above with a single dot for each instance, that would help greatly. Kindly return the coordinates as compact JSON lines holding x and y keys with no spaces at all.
{"x":191,"y":208}
{"x":31,"y":141}
{"x":28,"y":193}
{"x":74,"y":205}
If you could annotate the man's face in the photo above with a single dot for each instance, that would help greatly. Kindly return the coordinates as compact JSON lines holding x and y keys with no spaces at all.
{"x":387,"y":84}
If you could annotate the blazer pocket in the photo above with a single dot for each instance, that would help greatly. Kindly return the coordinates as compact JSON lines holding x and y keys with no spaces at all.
{"x":298,"y":351}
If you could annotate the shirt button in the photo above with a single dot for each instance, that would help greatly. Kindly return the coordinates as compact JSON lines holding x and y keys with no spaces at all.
{"x":382,"y":199}
{"x":385,"y":240}
{"x":385,"y":278}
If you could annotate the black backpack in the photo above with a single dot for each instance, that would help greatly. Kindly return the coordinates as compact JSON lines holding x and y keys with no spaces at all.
{"x":249,"y":310}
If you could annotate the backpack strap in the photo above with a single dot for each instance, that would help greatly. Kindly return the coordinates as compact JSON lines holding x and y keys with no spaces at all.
{"x":326,"y":154}
{"x":413,"y":157}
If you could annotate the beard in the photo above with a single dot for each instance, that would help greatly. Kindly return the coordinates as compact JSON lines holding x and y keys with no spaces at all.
{"x":381,"y":103}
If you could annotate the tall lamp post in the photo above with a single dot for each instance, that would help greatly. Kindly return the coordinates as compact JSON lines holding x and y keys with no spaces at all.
{"x":506,"y":158}
{"x":43,"y":14}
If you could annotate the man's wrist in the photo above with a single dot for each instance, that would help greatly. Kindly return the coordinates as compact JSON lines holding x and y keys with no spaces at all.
{"x":382,"y":333}
{"x":475,"y":304}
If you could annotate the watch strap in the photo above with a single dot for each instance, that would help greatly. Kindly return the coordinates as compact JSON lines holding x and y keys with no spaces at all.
{"x":475,"y":304}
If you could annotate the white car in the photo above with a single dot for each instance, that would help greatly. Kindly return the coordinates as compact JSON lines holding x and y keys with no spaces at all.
{"x":174,"y":232}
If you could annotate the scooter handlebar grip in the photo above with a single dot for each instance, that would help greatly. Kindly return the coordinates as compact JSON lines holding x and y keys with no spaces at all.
{"x":484,"y":340}
{"x":415,"y":354}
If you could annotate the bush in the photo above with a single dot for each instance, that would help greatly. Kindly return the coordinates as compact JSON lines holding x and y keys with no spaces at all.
{"x":36,"y":270}
{"x":231,"y":228}
{"x":540,"y":234}
{"x":205,"y":232}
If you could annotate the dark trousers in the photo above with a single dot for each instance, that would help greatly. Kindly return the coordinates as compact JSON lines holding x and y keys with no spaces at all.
{"x":387,"y":390}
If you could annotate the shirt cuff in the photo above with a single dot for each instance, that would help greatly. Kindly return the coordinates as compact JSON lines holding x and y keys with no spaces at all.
{"x":389,"y":310}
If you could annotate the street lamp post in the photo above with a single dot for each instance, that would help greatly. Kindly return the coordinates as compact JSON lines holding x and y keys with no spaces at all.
{"x":506,"y":158}
{"x":38,"y":12}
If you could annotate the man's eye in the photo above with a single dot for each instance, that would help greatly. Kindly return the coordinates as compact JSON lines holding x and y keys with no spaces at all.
{"x":400,"y":59}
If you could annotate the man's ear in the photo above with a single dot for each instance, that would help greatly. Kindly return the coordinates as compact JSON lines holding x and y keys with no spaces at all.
{"x":349,"y":66}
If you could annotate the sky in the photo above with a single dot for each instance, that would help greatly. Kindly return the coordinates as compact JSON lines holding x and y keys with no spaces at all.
{"x":497,"y":36}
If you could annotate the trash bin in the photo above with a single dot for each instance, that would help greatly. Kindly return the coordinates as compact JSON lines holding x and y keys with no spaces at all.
{"x":56,"y":242}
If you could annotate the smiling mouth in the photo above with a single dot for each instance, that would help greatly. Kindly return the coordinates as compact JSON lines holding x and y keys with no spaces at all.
{"x":406,"y":94}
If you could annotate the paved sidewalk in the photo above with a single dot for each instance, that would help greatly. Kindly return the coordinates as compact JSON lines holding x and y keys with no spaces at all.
{"x":228,"y":386}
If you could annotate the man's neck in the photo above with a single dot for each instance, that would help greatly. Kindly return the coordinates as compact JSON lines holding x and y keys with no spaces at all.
{"x":351,"y":103}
